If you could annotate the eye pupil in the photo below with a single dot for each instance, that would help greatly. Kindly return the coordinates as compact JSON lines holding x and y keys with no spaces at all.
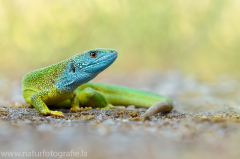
{"x":93,"y":54}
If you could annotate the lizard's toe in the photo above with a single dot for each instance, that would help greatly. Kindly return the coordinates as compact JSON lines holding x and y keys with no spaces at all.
{"x":56,"y":113}
{"x":109,"y":106}
{"x":117,"y":107}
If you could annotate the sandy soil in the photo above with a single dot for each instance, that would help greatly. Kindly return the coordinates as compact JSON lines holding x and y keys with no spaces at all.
{"x":204,"y":124}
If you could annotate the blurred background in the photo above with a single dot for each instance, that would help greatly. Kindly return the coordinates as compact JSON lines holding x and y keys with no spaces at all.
{"x":176,"y":48}
{"x":194,"y":37}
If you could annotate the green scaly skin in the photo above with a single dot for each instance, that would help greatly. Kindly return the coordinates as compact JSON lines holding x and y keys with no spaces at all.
{"x":114,"y":95}
{"x":47,"y":86}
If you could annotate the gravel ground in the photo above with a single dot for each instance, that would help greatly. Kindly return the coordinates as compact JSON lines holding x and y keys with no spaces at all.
{"x":204,"y":124}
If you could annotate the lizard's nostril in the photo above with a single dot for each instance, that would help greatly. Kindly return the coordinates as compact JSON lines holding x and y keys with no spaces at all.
{"x":111,"y":51}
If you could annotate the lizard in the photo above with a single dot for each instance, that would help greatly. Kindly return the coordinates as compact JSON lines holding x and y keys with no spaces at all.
{"x":67,"y":84}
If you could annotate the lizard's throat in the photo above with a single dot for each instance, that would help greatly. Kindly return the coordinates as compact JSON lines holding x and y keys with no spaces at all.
{"x":70,"y":82}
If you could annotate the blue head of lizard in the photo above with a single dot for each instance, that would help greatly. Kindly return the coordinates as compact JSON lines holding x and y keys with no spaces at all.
{"x":84,"y":66}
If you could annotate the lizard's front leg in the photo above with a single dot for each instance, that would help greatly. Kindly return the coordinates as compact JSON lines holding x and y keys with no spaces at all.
{"x":74,"y":103}
{"x":38,"y":103}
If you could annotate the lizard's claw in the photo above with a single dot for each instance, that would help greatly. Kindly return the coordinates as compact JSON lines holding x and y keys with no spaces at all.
{"x":55,"y":113}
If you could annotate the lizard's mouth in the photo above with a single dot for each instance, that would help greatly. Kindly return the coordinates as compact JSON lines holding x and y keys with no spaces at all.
{"x":101,"y":64}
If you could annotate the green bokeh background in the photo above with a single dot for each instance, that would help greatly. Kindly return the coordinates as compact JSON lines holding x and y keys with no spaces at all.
{"x":195,"y":37}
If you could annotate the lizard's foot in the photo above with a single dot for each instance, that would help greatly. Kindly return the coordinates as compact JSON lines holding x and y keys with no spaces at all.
{"x":76,"y":109}
{"x":109,"y":106}
{"x":54,"y":113}
{"x":117,"y":107}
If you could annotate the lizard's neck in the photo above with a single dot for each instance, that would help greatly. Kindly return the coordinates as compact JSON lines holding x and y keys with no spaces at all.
{"x":69,"y":80}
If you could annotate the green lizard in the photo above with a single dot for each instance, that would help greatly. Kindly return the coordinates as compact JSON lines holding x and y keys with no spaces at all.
{"x":66,"y":84}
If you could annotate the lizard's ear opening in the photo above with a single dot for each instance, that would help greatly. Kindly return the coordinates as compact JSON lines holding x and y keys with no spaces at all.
{"x":73,"y":67}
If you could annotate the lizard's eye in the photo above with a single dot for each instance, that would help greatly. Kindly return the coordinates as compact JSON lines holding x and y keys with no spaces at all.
{"x":93,"y":54}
